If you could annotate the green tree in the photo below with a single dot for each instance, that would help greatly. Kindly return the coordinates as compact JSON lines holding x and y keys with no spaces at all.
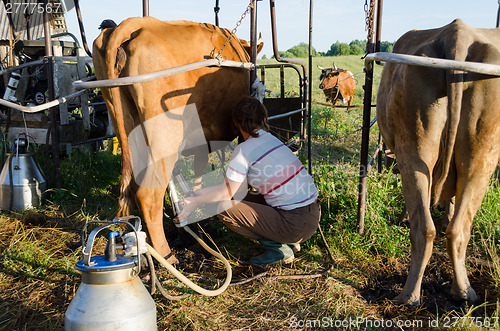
{"x":344,"y":49}
{"x":386,"y":46}
{"x":355,"y":47}
{"x":339,"y":49}
{"x":358,"y":47}
{"x":333,"y":49}
{"x":286,"y":54}
{"x":301,"y":50}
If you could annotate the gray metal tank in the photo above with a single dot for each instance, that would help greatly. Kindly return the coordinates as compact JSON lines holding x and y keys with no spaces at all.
{"x":23,"y":185}
{"x":111,"y":295}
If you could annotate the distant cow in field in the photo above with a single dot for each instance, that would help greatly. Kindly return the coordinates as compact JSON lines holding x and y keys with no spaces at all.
{"x":143,"y":113}
{"x":337,"y":84}
{"x":443,"y":126}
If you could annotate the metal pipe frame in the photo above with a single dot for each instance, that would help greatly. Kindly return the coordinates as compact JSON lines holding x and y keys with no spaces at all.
{"x":54,"y":112}
{"x":309,"y":95}
{"x":275,"y":42}
{"x":67,"y":34}
{"x":253,"y":41}
{"x":145,"y":8}
{"x":365,"y":136}
{"x":82,"y":29}
{"x":498,"y":15}
{"x":430,"y":62}
{"x":216,"y":12}
{"x":82,"y":84}
{"x":290,"y":113}
{"x":21,"y":66}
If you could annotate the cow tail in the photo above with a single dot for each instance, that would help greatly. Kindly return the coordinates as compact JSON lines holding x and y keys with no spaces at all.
{"x":114,"y":64}
{"x":455,"y":85}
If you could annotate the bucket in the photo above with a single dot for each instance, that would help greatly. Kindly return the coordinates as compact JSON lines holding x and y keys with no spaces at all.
{"x":22,"y":184}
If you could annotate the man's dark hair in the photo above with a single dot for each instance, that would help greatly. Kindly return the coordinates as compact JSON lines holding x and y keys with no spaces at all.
{"x":251,"y":115}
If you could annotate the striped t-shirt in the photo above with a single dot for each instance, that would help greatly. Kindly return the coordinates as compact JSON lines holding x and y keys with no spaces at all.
{"x":273,"y":170}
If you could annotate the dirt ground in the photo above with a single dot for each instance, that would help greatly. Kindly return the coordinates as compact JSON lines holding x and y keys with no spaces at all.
{"x":345,"y":294}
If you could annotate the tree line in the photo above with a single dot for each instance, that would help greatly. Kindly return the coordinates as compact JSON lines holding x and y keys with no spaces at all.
{"x":355,"y":47}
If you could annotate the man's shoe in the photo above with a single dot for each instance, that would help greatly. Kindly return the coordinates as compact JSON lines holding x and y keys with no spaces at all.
{"x":276,"y":253}
{"x":295,"y":247}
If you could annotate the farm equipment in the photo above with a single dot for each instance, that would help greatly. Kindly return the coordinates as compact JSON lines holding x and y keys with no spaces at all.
{"x":38,"y":68}
{"x":22,"y":184}
{"x":111,"y":295}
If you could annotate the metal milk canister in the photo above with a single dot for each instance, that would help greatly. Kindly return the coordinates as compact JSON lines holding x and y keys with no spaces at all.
{"x":111,"y":295}
{"x":22,"y":184}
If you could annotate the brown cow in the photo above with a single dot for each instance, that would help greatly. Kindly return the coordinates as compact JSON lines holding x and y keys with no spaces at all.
{"x":443,"y":127}
{"x":337,"y":84}
{"x":140,"y":111}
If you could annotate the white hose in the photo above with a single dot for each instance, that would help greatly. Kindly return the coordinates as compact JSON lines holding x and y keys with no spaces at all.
{"x":187,"y":281}
{"x":130,"y":80}
{"x":34,"y":109}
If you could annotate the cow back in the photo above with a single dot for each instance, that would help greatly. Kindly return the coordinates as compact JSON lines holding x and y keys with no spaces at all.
{"x":142,"y":45}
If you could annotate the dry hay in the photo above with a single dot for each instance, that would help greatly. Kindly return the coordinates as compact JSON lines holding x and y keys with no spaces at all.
{"x":36,"y":291}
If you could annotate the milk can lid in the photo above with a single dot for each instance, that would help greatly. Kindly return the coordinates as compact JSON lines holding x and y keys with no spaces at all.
{"x":99,"y":263}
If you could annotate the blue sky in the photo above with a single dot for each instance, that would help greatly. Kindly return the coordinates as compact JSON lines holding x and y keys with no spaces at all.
{"x":342,"y":20}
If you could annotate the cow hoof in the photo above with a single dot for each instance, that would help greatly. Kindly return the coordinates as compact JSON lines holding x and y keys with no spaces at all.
{"x":407,"y":300}
{"x":172,"y":259}
{"x":468,"y":295}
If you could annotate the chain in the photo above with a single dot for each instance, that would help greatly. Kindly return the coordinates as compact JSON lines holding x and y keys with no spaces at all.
{"x":370,"y":13}
{"x":219,"y":55}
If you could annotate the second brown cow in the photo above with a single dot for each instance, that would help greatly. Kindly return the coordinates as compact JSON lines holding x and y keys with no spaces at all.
{"x":337,"y":84}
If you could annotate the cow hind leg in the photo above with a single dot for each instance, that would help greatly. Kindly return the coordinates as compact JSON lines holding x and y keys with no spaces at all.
{"x":458,"y":235}
{"x":472,"y":183}
{"x":416,"y":186}
{"x":151,"y":203}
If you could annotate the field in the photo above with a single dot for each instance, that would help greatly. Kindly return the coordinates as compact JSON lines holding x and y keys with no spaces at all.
{"x":39,"y":248}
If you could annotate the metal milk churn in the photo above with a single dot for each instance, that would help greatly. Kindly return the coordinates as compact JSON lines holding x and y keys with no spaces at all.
{"x":22,"y":184}
{"x":111,"y":295}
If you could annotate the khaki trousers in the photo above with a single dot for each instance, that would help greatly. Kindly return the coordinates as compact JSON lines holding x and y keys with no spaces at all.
{"x":255,"y":219}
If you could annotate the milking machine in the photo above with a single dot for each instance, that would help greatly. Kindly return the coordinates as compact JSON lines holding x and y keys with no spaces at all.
{"x":111,"y":295}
